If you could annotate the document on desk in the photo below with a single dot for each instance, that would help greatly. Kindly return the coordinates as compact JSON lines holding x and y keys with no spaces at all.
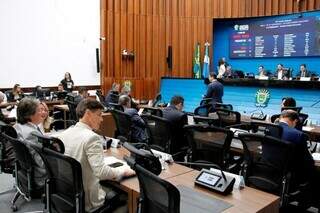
{"x":316,"y":157}
{"x":196,"y":202}
{"x":307,"y":128}
{"x":110,"y":160}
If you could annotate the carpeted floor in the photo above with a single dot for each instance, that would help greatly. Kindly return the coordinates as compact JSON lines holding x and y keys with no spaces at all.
{"x":7,"y":193}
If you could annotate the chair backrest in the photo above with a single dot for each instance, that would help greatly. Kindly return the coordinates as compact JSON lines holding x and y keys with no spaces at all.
{"x":223,"y":106}
{"x":159,"y":132}
{"x":152,"y":111}
{"x":156,"y":100}
{"x":156,"y":194}
{"x":203,"y":110}
{"x":24,"y":167}
{"x":7,"y":154}
{"x":100,"y":96}
{"x":71,"y":102}
{"x":268,"y":129}
{"x":209,"y":143}
{"x":266,"y":161}
{"x":297,"y":109}
{"x":273,"y":118}
{"x":228,"y":117}
{"x":65,"y":191}
{"x":123,"y":124}
{"x":205,"y":101}
{"x":115,"y":106}
{"x":205,"y":120}
{"x":51,"y":143}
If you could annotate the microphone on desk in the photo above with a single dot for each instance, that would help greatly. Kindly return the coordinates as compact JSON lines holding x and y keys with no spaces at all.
{"x":204,"y":165}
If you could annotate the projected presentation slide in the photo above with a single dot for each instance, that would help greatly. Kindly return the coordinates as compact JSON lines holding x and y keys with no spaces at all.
{"x":293,"y":37}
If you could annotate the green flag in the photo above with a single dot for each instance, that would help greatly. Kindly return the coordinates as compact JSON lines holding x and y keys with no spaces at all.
{"x":196,"y":62}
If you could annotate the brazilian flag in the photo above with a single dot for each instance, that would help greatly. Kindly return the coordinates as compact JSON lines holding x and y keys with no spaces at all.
{"x":196,"y":62}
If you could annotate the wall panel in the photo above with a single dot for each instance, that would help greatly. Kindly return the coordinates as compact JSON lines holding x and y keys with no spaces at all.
{"x":148,"y":27}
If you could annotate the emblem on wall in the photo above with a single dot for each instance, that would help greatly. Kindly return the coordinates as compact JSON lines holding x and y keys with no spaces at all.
{"x":262,"y":97}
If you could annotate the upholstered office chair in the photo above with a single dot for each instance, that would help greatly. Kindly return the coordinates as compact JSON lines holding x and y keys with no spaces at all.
{"x":24,"y":172}
{"x":157,"y":100}
{"x":156,"y":195}
{"x":70,"y":101}
{"x":51,"y":143}
{"x":100,"y":96}
{"x":152,"y":111}
{"x":209,"y":144}
{"x":266,"y":164}
{"x":123,"y":124}
{"x":205,"y":101}
{"x":64,"y":186}
{"x":203,"y":110}
{"x":262,"y":128}
{"x":297,"y":109}
{"x":205,"y":120}
{"x":228,"y":117}
{"x":115,"y":106}
{"x":223,"y":106}
{"x":7,"y":154}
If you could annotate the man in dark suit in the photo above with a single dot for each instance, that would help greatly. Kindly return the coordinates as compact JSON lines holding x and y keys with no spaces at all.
{"x":215,"y":90}
{"x":303,"y":167}
{"x":138,"y":124}
{"x":303,"y":72}
{"x":178,"y":119}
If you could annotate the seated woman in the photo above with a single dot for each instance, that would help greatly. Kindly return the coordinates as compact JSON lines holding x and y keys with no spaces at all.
{"x":47,"y":120}
{"x":16,"y":94}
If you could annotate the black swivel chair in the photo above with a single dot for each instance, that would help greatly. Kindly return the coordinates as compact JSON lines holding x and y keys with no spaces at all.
{"x":223,"y":106}
{"x":157,"y":100}
{"x":203,"y":110}
{"x":123,"y":124}
{"x":24,"y":172}
{"x":100,"y":96}
{"x":71,"y":102}
{"x":210,"y":144}
{"x":156,"y":195}
{"x":152,"y":111}
{"x":262,"y":128}
{"x":297,"y":109}
{"x":267,"y":164}
{"x":115,"y":106}
{"x":302,"y":120}
{"x":205,"y":101}
{"x":64,"y":186}
{"x":228,"y":117}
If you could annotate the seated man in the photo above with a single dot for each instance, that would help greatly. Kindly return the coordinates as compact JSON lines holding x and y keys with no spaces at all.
{"x":83,"y":93}
{"x":215,"y":90}
{"x":178,"y":119}
{"x":29,"y":116}
{"x":138,"y":124}
{"x":84,"y":145}
{"x":303,"y":163}
{"x":303,"y":72}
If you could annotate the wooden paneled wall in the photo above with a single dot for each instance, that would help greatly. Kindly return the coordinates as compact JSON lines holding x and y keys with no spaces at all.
{"x":147,"y":27}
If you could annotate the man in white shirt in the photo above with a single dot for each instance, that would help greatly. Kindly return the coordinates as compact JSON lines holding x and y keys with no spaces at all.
{"x":84,"y":145}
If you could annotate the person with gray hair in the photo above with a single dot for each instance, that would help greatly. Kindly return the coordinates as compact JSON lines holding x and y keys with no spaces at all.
{"x":84,"y":145}
{"x":138,"y":124}
{"x":29,"y":116}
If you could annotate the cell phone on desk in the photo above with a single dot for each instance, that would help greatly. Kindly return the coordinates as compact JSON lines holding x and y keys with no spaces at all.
{"x":116,"y":164}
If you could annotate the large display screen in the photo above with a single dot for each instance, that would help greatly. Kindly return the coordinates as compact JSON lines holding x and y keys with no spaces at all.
{"x":287,"y":37}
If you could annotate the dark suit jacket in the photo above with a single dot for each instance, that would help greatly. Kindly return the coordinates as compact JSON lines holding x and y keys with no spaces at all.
{"x":112,"y":97}
{"x":307,"y":74}
{"x":215,"y":91}
{"x":177,"y":119}
{"x":138,"y":125}
{"x":303,"y":164}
